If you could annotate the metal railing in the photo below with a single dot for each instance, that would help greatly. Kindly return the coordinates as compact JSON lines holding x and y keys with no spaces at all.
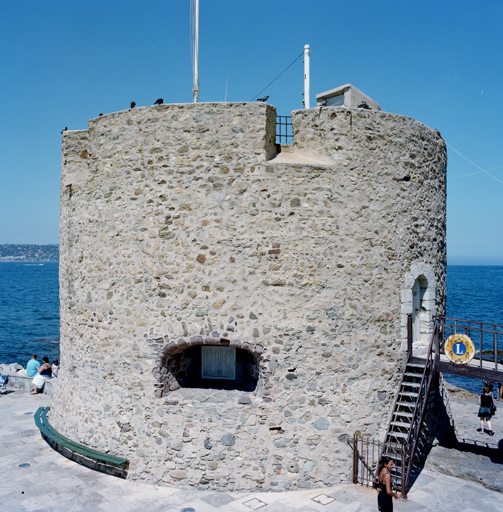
{"x":284,"y":133}
{"x":430,"y":369}
{"x":366,"y":455}
{"x":487,"y":337}
{"x":367,"y":452}
{"x":409,"y":445}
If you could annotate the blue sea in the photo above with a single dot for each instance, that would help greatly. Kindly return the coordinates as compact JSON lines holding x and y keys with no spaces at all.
{"x":29,"y":311}
{"x":29,"y":308}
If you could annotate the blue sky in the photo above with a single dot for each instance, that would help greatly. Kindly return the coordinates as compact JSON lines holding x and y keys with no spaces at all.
{"x":63,"y":62}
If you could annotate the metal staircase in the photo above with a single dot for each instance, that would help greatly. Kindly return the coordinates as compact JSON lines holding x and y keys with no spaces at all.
{"x":406,"y":440}
{"x":404,"y":428}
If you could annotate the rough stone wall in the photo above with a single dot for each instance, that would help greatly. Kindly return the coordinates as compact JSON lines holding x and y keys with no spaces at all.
{"x":181,"y":226}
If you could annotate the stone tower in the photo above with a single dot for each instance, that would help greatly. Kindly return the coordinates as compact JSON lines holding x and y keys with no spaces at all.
{"x":229,"y":314}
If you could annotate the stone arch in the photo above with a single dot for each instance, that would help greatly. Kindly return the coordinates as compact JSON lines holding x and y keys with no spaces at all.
{"x":180,"y":365}
{"x":419,"y":300}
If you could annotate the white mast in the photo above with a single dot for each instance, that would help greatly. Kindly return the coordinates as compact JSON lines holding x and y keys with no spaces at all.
{"x":307,"y":78}
{"x":194,"y":15}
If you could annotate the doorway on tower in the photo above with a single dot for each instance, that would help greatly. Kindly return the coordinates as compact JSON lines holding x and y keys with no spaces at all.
{"x":217,"y":367}
{"x":423,"y":304}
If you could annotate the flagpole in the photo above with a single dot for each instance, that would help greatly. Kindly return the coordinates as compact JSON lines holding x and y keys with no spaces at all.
{"x":307,"y":78}
{"x":195,"y":50}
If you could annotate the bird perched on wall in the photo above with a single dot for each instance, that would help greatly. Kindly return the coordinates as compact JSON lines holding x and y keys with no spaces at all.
{"x":365,"y":105}
{"x":101,"y":114}
{"x":64,"y":129}
{"x":323,"y":103}
{"x":264,"y":98}
{"x":159,"y":101}
{"x":133,"y":104}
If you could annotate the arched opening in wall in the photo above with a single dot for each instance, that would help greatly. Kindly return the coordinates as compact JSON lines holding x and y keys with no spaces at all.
{"x":422,"y":312}
{"x":211,"y":366}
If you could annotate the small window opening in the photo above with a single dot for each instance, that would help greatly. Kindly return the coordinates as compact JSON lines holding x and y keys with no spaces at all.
{"x":216,"y":367}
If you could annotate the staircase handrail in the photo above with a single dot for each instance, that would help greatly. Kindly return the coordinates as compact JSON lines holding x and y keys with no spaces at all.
{"x":354,"y":446}
{"x":426,"y":380}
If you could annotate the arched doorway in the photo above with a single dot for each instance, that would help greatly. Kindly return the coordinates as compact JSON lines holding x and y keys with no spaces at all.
{"x":419,"y":301}
{"x":421,"y":316}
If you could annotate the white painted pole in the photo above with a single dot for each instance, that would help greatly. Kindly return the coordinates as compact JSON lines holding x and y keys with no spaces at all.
{"x":195,"y":56}
{"x":307,"y":78}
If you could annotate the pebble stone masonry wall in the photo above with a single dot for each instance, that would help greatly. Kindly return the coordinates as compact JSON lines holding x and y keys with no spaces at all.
{"x":181,"y":225}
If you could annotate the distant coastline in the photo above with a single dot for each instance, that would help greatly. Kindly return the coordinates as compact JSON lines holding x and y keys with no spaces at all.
{"x":33,"y":253}
{"x":29,"y":253}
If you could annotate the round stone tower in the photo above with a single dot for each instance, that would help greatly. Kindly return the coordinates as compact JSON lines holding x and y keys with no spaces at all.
{"x":230,"y":313}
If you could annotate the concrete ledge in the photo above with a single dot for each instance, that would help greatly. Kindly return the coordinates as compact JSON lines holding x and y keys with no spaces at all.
{"x":93,"y":459}
{"x":23,"y":382}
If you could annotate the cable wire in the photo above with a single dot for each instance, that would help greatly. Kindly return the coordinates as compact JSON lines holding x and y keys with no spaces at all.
{"x":478,"y":172}
{"x":323,"y":68}
{"x":477,"y":166}
{"x":257,"y":95}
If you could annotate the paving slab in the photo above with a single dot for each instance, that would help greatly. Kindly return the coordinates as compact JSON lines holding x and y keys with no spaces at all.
{"x":35,"y":478}
{"x":476,"y":456}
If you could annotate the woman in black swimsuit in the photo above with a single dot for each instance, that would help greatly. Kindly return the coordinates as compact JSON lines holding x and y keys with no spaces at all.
{"x":384,"y":499}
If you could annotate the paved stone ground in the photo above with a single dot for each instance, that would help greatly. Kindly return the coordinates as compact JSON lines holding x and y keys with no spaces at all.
{"x":51,"y":483}
{"x":478,"y":456}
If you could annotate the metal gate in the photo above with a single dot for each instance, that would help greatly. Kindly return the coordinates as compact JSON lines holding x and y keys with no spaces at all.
{"x":366,"y":453}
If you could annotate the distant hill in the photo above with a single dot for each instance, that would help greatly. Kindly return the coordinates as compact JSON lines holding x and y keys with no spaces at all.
{"x":26,"y":252}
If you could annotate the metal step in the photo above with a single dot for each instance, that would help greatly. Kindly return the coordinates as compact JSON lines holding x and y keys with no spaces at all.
{"x":411,"y":384}
{"x":401,"y":435}
{"x":415,"y":365}
{"x":406,"y":404}
{"x":415,"y":375}
{"x":389,"y":445}
{"x":408,"y":393}
{"x":404,"y":413}
{"x":400,"y":424}
{"x":393,"y":455}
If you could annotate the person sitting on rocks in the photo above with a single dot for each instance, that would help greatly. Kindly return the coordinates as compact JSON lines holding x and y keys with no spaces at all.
{"x":44,"y":373}
{"x":32,"y":365}
{"x":485,"y":412}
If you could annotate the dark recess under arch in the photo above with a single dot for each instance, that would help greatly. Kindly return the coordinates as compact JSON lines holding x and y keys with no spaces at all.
{"x":185,"y":366}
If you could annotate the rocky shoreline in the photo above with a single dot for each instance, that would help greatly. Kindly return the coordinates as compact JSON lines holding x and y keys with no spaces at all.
{"x":10,"y":368}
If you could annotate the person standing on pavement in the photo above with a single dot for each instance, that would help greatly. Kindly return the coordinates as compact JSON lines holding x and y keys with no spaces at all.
{"x":485,"y":410}
{"x":385,"y":496}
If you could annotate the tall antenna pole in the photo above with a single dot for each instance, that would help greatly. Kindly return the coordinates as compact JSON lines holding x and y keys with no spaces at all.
{"x":195,"y":49}
{"x":307,"y":78}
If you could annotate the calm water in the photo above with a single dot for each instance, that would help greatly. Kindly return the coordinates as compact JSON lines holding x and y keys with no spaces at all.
{"x":29,"y":308}
{"x":474,"y":293}
{"x":29,"y":311}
